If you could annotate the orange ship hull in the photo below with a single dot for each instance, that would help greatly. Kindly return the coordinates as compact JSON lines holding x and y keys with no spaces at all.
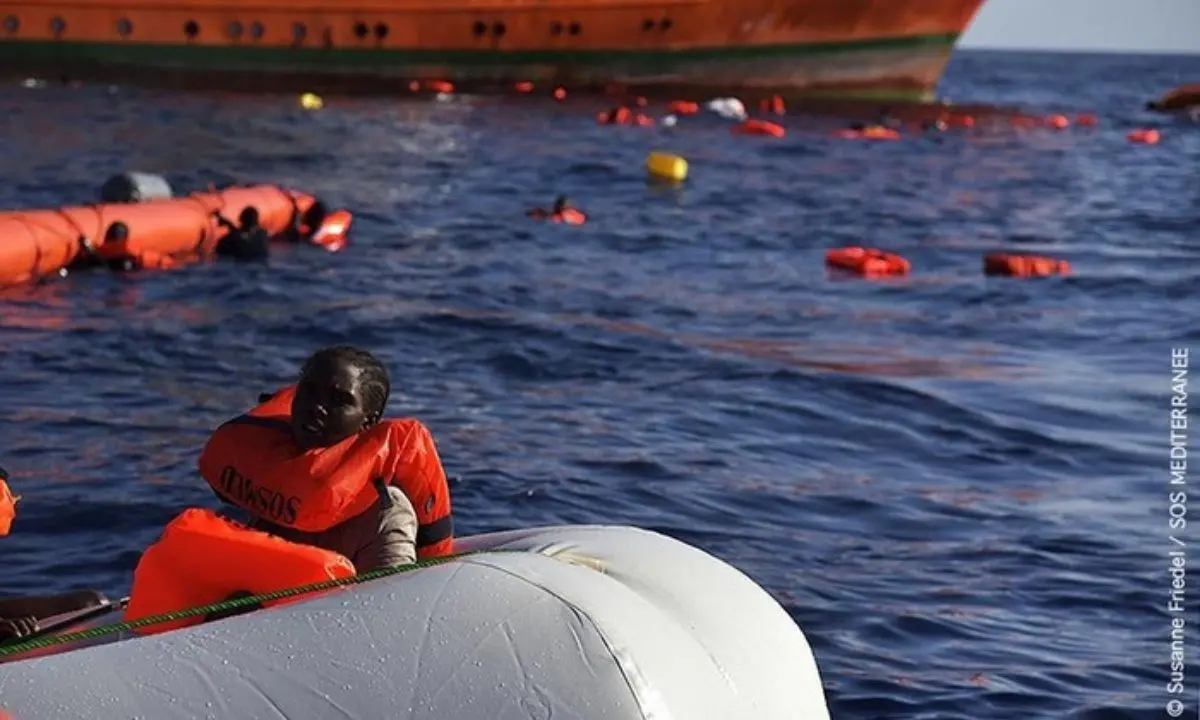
{"x":879,"y":48}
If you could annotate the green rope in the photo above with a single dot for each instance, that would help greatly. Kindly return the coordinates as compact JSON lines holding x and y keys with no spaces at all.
{"x":242,"y":602}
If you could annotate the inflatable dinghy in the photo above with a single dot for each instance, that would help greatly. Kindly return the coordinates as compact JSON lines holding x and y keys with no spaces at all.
{"x":579,"y":622}
{"x":39,"y":243}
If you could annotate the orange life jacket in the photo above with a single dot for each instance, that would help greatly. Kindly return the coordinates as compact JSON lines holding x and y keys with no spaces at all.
{"x":570,"y":216}
{"x":203,"y":558}
{"x":253,"y":462}
{"x":8,"y":508}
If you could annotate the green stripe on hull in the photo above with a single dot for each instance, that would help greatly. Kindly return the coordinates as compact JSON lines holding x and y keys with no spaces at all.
{"x":902,"y":68}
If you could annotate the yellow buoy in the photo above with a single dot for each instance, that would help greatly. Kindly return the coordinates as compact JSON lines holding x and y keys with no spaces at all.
{"x":667,"y":166}
{"x":308,"y":101}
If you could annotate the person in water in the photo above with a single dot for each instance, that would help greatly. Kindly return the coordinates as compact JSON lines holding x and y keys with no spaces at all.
{"x":247,"y":240}
{"x":562,"y":211}
{"x":21,"y":616}
{"x":316,"y":463}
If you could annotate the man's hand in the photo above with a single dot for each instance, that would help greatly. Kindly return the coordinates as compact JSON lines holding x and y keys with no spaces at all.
{"x":18,"y":628}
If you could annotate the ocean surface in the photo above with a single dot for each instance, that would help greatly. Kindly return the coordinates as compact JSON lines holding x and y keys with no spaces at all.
{"x":957,"y":485}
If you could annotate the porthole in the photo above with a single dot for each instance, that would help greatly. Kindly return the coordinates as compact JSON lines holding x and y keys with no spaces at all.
{"x":575,"y":28}
{"x":498,"y":29}
{"x":556,"y":28}
{"x":361,"y":30}
{"x":257,"y":30}
{"x":191,"y":29}
{"x":58,"y":26}
{"x":648,"y":25}
{"x":665,"y":25}
{"x":235,"y":29}
{"x":479,"y":29}
{"x":299,"y":32}
{"x":124,"y":27}
{"x":12,"y":24}
{"x":381,"y":31}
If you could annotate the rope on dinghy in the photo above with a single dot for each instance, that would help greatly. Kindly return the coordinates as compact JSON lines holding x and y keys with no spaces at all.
{"x":233,"y":604}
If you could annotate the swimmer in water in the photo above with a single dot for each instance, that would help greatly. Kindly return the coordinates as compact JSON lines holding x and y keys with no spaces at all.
{"x":321,"y":446}
{"x":562,"y":212}
{"x":247,"y":240}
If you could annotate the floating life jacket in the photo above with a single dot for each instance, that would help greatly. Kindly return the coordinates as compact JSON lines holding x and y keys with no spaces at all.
{"x":868,"y":262}
{"x":203,"y":558}
{"x":253,"y":462}
{"x":1024,"y":265}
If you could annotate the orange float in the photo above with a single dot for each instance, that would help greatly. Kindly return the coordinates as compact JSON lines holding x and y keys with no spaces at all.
{"x":773,"y":104}
{"x":616,"y":116}
{"x":873,"y":132}
{"x":1087,"y":120}
{"x":1008,"y":265}
{"x":332,"y":233}
{"x":1058,"y":122}
{"x":683,"y":107}
{"x":758,"y":127}
{"x":38,"y":243}
{"x":868,"y":262}
{"x":203,"y":558}
{"x":1144,"y":136}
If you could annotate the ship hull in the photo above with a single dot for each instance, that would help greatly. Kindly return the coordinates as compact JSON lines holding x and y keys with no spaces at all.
{"x":890,"y":54}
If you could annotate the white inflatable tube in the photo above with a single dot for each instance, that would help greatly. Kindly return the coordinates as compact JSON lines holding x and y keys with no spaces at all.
{"x":587,"y":623}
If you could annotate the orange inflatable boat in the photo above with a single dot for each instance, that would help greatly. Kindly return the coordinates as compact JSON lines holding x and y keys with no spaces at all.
{"x":37,"y":243}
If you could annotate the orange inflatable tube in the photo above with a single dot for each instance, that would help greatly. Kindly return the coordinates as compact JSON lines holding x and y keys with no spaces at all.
{"x":867,"y":262}
{"x":203,"y":558}
{"x":1024,"y":265}
{"x":42,"y":242}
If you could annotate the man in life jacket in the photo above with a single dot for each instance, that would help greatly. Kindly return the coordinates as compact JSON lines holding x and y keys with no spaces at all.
{"x":19,"y":616}
{"x":316,"y":463}
{"x":245,"y":241}
{"x":562,"y":211}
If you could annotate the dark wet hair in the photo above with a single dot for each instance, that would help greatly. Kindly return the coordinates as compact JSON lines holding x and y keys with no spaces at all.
{"x":561,"y":203}
{"x":248,"y":218}
{"x":373,"y":376}
{"x":116,"y":232}
{"x":3,"y":474}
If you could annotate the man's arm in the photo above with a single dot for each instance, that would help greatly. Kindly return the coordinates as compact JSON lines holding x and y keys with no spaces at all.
{"x":394,"y":542}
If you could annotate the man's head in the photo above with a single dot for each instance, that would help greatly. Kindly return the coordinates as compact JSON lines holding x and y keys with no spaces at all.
{"x":117,"y":232}
{"x":342,"y":391}
{"x":248,"y":218}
